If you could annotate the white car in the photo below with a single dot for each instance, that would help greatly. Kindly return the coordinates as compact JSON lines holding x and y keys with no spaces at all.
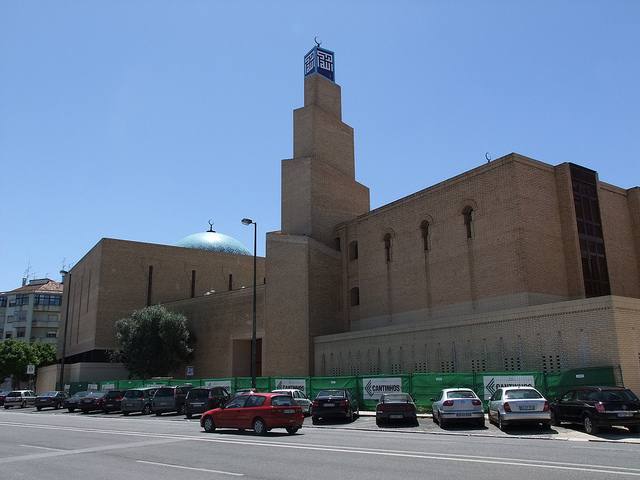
{"x":509,"y":405}
{"x":460,"y":404}
{"x":299,"y":398}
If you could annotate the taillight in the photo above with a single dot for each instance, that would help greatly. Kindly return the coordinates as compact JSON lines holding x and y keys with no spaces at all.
{"x":315,"y":403}
{"x":507,"y":407}
{"x":476,"y":402}
{"x":600,"y":407}
{"x":546,"y":407}
{"x":448,"y":403}
{"x":344,"y":403}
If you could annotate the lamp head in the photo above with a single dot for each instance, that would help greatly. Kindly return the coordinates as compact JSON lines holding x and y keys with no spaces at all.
{"x":247,"y":221}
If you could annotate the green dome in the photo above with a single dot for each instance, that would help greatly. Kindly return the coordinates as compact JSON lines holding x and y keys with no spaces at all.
{"x":214,"y":242}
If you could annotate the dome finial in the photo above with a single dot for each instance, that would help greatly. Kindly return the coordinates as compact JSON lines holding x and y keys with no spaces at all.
{"x":210,"y":226}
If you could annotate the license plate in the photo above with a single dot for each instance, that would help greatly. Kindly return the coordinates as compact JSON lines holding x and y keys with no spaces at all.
{"x":396,"y":417}
{"x":527,"y":407}
{"x":197,"y":404}
{"x":625,"y":414}
{"x":329,"y":404}
{"x":463,"y":414}
{"x":289,"y":411}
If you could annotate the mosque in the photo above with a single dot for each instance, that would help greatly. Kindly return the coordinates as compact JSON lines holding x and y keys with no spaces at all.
{"x":515,"y":265}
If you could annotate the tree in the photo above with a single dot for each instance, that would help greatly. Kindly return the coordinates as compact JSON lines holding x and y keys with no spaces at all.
{"x":153,"y":341}
{"x":15,"y":355}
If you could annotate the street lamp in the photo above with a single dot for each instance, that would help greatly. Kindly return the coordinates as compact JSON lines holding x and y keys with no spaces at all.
{"x":247,"y":222}
{"x":65,"y":275}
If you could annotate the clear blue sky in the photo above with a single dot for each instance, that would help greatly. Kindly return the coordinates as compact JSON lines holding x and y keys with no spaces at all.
{"x":142,"y":119}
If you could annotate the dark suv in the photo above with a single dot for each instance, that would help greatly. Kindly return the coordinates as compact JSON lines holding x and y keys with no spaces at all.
{"x":112,"y":401}
{"x":334,"y":403}
{"x":596,"y":407}
{"x":200,"y":400}
{"x":170,"y":399}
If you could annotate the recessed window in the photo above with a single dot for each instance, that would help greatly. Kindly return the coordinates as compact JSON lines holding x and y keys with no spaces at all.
{"x":387,"y":247}
{"x":424,"y":228}
{"x":353,"y":250}
{"x":355,"y":296}
{"x":231,"y":281}
{"x":52,"y":334}
{"x":193,"y":283}
{"x":468,"y":215}
{"x":336,"y":244}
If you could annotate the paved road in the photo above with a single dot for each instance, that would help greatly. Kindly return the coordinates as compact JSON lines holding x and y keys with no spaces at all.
{"x":58,"y":446}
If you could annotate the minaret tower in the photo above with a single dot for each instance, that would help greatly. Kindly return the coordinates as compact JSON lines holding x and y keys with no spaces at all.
{"x":319,"y":191}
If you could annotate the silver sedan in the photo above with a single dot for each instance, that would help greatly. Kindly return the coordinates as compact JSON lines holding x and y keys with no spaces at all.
{"x":457,"y":404}
{"x":509,"y":405}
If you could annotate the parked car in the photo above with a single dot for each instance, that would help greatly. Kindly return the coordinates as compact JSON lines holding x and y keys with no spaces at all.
{"x":511,"y":405}
{"x":112,"y":401}
{"x":259,"y":412}
{"x":91,"y":402}
{"x":73,"y":403}
{"x":398,"y":407}
{"x":50,"y":399}
{"x":299,"y":397}
{"x":170,"y":399}
{"x":597,"y":407}
{"x":200,"y":400}
{"x":334,"y":403}
{"x":457,"y":405}
{"x":3,"y":393}
{"x":19,"y":398}
{"x":138,"y":400}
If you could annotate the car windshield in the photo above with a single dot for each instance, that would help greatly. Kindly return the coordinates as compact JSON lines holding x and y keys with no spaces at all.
{"x":461,"y":394}
{"x":97,"y":394}
{"x":617,"y":396}
{"x":282,"y":400}
{"x":133,"y":394}
{"x":198,"y":393}
{"x":14,"y":394}
{"x":80,"y":394}
{"x":331,"y":393}
{"x":114,"y":394}
{"x":524,"y":394}
{"x":397,"y":398}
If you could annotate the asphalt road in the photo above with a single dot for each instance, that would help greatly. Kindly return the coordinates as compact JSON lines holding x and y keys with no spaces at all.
{"x":56,"y":445}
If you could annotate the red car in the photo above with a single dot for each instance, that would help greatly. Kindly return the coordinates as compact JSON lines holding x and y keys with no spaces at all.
{"x":259,"y":412}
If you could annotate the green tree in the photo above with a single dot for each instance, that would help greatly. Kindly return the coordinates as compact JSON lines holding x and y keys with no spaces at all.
{"x":153,"y":341}
{"x":15,"y":355}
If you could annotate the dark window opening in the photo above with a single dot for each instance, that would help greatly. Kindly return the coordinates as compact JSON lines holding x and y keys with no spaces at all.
{"x":149,"y":285}
{"x":467,"y":213}
{"x":193,"y":283}
{"x":231,"y":281}
{"x":355,"y":296}
{"x":424,"y":227}
{"x":353,"y":250}
{"x":387,"y":247}
{"x":336,"y":244}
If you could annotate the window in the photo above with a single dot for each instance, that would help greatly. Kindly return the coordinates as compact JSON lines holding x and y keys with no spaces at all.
{"x":149,"y":285}
{"x":353,"y":250}
{"x":255,"y":401}
{"x":8,"y":335}
{"x":48,"y":300}
{"x":3,"y":302}
{"x":424,"y":228}
{"x":231,"y":281}
{"x":567,"y":397}
{"x":387,"y":247}
{"x":467,"y":213}
{"x":237,"y":402}
{"x":20,"y":332}
{"x":283,"y":401}
{"x":52,"y":334}
{"x":355,"y":296}
{"x":336,"y":244}
{"x":19,"y":301}
{"x":193,"y":283}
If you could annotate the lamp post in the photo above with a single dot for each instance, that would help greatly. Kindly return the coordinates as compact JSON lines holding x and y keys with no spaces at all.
{"x":66,"y":276}
{"x":247,"y":222}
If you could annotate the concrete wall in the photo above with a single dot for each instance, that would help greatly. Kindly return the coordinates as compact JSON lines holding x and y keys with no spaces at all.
{"x":47,"y":377}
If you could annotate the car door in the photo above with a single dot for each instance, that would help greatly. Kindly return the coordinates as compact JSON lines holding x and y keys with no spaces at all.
{"x":494,"y":403}
{"x":564,"y":406}
{"x":226,"y":418}
{"x":253,"y":408}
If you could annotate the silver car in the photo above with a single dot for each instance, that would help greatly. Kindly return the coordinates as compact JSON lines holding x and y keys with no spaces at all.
{"x":457,"y":404}
{"x":299,"y":398}
{"x":20,"y":398}
{"x":509,"y":405}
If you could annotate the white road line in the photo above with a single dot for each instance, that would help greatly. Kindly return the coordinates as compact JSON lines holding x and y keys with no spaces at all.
{"x":532,"y":463}
{"x":44,"y":448}
{"x":192,"y":468}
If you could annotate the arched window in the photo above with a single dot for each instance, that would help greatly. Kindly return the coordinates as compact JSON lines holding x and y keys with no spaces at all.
{"x":387,"y":247}
{"x":426,"y":240}
{"x":355,"y":296}
{"x":467,"y":213}
{"x":353,"y":250}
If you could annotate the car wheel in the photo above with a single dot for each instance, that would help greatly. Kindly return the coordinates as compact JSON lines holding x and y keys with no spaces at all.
{"x":106,"y":412}
{"x":546,"y":425}
{"x":481,"y":423}
{"x":58,"y":406}
{"x":502,"y":425}
{"x":23,"y":405}
{"x":314,"y":420}
{"x":209,"y":425}
{"x":292,"y":430}
{"x":126,"y":414}
{"x":71,"y":410}
{"x":259,"y":427}
{"x":181,"y":410}
{"x":158,"y":413}
{"x":38,"y":408}
{"x":588,"y":425}
{"x":554,"y":419}
{"x":189,"y":415}
{"x":146,"y":410}
{"x":351,"y":417}
{"x":379,"y":423}
{"x":6,"y":407}
{"x":634,"y":428}
{"x":442,"y":422}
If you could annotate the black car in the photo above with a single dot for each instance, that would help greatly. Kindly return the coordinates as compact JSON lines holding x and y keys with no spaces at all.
{"x":396,"y":407}
{"x":50,"y":399}
{"x":200,"y":400}
{"x":92,"y":402}
{"x":597,"y":407}
{"x":336,"y":403}
{"x":112,"y":401}
{"x":3,"y":393}
{"x":73,"y":403}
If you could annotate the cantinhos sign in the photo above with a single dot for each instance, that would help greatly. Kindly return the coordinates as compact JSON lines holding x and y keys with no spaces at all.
{"x":373,"y":388}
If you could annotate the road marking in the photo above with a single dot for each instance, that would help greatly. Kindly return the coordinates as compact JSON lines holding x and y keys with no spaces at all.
{"x":192,"y":468}
{"x":44,"y":448}
{"x":532,"y":463}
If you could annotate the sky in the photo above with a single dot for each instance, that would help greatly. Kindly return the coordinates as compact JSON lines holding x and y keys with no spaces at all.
{"x":142,"y":120}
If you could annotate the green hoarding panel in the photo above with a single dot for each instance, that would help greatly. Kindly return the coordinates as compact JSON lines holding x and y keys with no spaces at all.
{"x":75,"y":387}
{"x":193,"y":381}
{"x":559,"y":383}
{"x":262,"y":383}
{"x":229,"y":383}
{"x":290,"y":382}
{"x":327,"y":383}
{"x":155,"y":383}
{"x":107,"y":385}
{"x":426,"y":386}
{"x":128,"y":384}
